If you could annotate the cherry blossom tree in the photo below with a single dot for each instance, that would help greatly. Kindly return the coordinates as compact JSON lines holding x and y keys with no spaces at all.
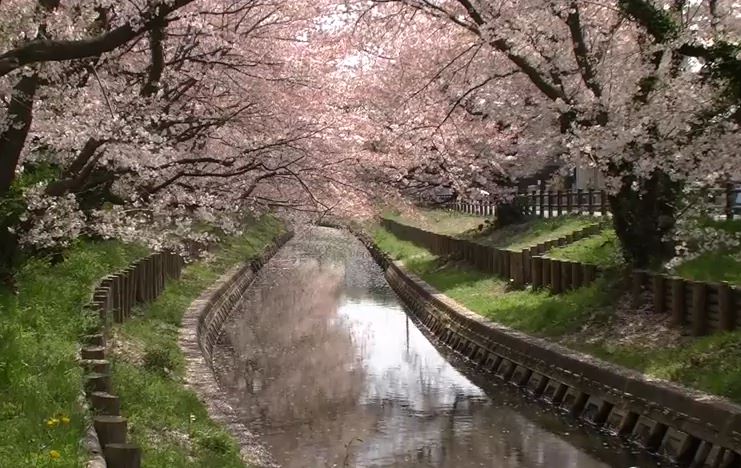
{"x":146,"y":116}
{"x":646,"y":92}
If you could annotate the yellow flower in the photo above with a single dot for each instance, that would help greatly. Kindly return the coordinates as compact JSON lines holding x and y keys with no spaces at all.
{"x":54,"y":455}
{"x":52,"y":423}
{"x":65,"y":420}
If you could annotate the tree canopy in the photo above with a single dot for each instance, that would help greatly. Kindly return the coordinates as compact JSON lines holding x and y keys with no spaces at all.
{"x":148,"y":119}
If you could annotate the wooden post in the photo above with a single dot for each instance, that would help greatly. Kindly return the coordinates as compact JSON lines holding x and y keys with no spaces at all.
{"x":725,"y":305}
{"x":537,"y":272}
{"x":576,"y":275}
{"x":699,"y":308}
{"x":556,"y":276}
{"x":566,"y":284}
{"x":123,"y":456}
{"x":558,"y":202}
{"x":590,"y":201}
{"x":101,"y":366}
{"x":527,"y":261}
{"x":110,"y":429}
{"x":97,"y":382}
{"x":507,"y":270}
{"x":517,"y":269}
{"x":550,"y":204}
{"x":105,"y":404}
{"x":678,"y":301}
{"x":94,"y":340}
{"x":590,"y":274}
{"x":579,"y":200}
{"x":542,"y":204}
{"x":659,"y":293}
{"x":533,"y":207}
{"x":569,"y":204}
{"x":92,"y":352}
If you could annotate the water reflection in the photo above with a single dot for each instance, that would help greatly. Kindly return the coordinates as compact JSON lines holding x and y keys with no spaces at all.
{"x":324,"y":363}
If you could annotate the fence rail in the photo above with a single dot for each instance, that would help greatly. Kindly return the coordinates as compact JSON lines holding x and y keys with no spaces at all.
{"x":704,"y":307}
{"x":726,"y":203}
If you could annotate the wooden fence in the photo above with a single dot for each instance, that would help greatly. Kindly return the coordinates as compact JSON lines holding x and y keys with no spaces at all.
{"x":520,"y":267}
{"x":549,"y":203}
{"x":113,"y":300}
{"x":703,"y":307}
{"x":140,"y":282}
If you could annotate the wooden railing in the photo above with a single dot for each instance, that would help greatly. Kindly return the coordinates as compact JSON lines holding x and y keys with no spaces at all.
{"x":725,"y":203}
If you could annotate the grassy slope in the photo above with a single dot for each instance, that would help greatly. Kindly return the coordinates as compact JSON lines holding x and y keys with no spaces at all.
{"x":716,"y":266}
{"x":517,"y":236}
{"x":534,"y":312}
{"x":602,"y":249}
{"x":167,"y":420}
{"x":440,"y":221}
{"x":39,"y":331}
{"x":709,"y":363}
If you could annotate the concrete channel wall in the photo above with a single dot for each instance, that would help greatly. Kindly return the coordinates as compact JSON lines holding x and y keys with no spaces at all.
{"x":201,"y":329}
{"x":684,"y":426}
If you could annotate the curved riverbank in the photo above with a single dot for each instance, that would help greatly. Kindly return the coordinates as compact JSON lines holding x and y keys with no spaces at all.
{"x":200,"y":331}
{"x":681,"y":424}
{"x":323,"y":361}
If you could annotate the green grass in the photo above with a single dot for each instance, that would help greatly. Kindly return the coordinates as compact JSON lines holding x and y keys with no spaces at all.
{"x":602,"y":249}
{"x":708,"y":363}
{"x":440,"y":221}
{"x":533,"y":231}
{"x":536,"y":312}
{"x":712,"y":267}
{"x":39,"y":331}
{"x":517,"y":236}
{"x":715,"y":266}
{"x":165,"y":418}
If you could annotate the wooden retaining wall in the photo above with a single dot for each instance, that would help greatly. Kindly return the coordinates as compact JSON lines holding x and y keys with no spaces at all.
{"x":113,"y":300}
{"x":684,"y":426}
{"x":520,"y":267}
{"x":703,"y":307}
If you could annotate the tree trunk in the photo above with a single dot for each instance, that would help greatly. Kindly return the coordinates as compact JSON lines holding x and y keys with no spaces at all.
{"x":20,"y":115}
{"x":644,"y":216}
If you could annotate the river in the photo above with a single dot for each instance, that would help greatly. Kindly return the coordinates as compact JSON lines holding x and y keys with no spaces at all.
{"x":324,"y":363}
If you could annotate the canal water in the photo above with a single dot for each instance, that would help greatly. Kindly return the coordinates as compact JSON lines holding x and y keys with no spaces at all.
{"x":324,"y":363}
